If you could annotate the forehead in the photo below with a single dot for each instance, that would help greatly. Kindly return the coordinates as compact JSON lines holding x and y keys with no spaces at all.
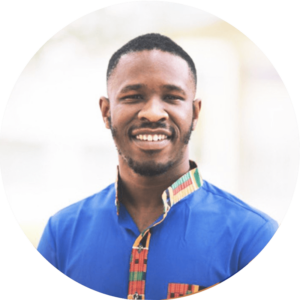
{"x":150,"y":68}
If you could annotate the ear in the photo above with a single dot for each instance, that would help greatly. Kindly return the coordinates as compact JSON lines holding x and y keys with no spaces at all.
{"x":196,"y":111}
{"x":105,"y":110}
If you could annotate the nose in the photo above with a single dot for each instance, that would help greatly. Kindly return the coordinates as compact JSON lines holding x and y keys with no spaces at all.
{"x":153,"y":111}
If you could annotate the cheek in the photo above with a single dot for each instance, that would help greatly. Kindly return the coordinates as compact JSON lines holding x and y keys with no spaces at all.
{"x":122,"y":117}
{"x":182,"y":117}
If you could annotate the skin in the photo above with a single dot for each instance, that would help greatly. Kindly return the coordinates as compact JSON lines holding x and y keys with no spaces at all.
{"x":150,"y":92}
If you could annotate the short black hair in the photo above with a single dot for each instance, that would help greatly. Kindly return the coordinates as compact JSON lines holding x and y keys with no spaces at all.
{"x":151,"y":41}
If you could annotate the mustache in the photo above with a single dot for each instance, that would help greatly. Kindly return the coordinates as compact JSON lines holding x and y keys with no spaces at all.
{"x":153,"y":125}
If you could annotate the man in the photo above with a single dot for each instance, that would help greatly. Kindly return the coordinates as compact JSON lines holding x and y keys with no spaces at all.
{"x":160,"y":231}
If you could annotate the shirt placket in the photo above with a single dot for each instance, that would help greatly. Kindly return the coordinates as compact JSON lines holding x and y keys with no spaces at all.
{"x":138,"y":266}
{"x":185,"y":185}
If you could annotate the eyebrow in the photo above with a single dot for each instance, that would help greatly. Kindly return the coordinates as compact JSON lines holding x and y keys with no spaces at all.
{"x":136,"y":87}
{"x":132,"y":87}
{"x":172,"y":87}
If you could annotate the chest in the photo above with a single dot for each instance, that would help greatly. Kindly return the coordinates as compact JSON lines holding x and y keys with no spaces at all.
{"x":163,"y":264}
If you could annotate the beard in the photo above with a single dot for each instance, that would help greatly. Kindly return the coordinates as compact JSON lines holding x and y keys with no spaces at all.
{"x":150,"y":168}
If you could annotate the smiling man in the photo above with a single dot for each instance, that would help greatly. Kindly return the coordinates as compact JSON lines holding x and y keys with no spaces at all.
{"x":160,"y":231}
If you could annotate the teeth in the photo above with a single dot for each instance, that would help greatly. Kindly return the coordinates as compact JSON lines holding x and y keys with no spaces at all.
{"x":150,"y":138}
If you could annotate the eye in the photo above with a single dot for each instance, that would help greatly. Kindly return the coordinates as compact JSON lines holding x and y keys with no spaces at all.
{"x":132,"y":98}
{"x":172,"y":98}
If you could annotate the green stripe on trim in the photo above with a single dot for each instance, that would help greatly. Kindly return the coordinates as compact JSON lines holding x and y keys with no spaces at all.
{"x":181,"y":180}
{"x":135,"y":276}
{"x":197,"y":177}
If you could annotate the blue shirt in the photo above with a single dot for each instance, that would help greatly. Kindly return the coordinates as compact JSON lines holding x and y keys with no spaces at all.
{"x":204,"y":236}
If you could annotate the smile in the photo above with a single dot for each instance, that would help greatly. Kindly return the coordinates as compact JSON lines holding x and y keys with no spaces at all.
{"x":150,"y":141}
{"x":151,"y":137}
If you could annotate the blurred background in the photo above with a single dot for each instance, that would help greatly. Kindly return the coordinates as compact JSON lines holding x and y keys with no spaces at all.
{"x":54,"y":149}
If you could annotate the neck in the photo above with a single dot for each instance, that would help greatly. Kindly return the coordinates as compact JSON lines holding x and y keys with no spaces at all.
{"x":141,"y":195}
{"x":144,"y":192}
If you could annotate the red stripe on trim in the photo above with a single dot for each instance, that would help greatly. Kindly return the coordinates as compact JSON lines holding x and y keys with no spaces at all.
{"x":182,"y":186}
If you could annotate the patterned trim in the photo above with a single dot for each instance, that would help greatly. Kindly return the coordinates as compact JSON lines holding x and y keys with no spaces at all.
{"x":184,"y":186}
{"x":176,"y":290}
{"x":138,"y":266}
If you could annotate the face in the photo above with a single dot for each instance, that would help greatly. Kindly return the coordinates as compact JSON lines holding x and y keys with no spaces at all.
{"x":151,"y":110}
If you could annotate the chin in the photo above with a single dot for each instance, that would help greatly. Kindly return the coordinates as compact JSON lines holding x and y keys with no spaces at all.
{"x":150,"y":168}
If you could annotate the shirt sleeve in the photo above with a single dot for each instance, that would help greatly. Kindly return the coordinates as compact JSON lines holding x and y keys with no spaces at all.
{"x":257,"y":243}
{"x":47,"y":245}
{"x":251,"y":245}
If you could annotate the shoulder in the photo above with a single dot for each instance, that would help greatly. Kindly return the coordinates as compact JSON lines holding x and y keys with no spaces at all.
{"x":221,"y":209}
{"x":228,"y":202}
{"x":242,"y":228}
{"x":84,"y":209}
{"x":75,"y":223}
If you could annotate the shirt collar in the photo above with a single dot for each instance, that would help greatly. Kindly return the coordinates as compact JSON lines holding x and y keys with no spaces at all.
{"x":182,"y":187}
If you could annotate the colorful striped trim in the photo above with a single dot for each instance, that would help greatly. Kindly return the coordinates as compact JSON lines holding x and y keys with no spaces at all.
{"x":138,"y":266}
{"x":181,"y":188}
{"x":185,"y":185}
{"x":176,"y":290}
